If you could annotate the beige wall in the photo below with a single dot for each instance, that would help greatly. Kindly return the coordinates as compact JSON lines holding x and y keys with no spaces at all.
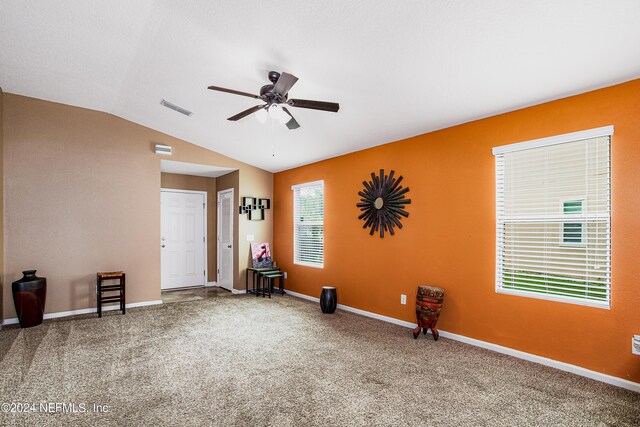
{"x":254,"y":183}
{"x":199,"y":183}
{"x":81,"y":191}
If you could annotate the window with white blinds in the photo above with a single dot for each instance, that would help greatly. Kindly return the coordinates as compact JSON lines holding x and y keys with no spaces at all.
{"x":553,"y":218}
{"x":308,"y":224}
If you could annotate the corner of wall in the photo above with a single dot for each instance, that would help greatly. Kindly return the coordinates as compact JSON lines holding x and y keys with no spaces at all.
{"x":253,"y":183}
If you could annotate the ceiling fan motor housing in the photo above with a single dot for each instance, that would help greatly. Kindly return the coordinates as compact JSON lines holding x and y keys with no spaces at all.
{"x":270,"y":97}
{"x":274,"y":76}
{"x":266,"y":89}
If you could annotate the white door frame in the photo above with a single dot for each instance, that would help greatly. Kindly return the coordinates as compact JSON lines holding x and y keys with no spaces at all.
{"x":219,"y":217}
{"x":204,"y":220}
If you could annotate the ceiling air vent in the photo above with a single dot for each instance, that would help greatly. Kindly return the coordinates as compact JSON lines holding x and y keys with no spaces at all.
{"x":174,"y":107}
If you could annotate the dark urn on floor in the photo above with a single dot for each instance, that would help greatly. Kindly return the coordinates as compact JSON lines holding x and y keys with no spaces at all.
{"x":428,"y":305}
{"x":29,"y":294}
{"x":328,"y":299}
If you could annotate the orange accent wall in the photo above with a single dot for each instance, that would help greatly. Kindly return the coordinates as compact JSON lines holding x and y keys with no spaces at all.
{"x":449,"y":238}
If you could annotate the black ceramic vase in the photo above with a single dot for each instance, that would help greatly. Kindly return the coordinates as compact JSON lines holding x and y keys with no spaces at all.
{"x":328,"y":299}
{"x":29,"y":294}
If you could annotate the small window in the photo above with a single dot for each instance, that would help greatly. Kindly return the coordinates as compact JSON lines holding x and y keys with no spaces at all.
{"x":572,"y":232}
{"x":308,"y":224}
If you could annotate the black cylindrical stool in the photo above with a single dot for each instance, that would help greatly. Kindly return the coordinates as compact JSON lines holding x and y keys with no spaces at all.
{"x":328,"y":299}
{"x":29,"y":295}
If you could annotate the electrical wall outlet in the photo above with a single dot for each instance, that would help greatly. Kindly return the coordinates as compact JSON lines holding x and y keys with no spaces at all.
{"x":250,"y":237}
{"x":403,"y":299}
{"x":285,"y":274}
{"x":635,"y":344}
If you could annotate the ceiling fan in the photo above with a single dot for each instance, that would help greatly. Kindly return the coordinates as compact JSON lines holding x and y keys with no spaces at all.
{"x":276,"y":94}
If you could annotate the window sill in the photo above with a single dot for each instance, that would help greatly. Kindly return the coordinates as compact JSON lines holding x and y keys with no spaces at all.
{"x":557,"y":298}
{"x":308,"y":264}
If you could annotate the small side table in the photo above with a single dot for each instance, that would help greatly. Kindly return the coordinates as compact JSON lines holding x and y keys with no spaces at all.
{"x":276,"y":275}
{"x":255,"y":272}
{"x":119,"y":288}
{"x":266,"y":280}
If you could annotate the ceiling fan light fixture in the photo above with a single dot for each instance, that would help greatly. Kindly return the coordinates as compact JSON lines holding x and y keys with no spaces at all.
{"x":262,"y":116}
{"x":277,"y":114}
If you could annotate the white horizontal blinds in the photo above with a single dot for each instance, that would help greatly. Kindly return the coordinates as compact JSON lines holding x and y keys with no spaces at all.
{"x":308,"y":224}
{"x":554,"y":221}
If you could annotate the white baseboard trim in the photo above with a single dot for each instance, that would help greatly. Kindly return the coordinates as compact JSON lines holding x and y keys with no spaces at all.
{"x":618,"y":382}
{"x":14,"y":320}
{"x":358,"y":311}
{"x":211,"y":284}
{"x":303,"y":296}
{"x":237,"y":292}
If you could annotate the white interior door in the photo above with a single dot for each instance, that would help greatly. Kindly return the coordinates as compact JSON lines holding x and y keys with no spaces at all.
{"x":225,"y":239}
{"x":182,"y":239}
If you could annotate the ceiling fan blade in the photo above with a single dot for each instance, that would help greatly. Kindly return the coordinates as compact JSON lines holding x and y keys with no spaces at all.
{"x":235,"y":92}
{"x":293,"y":123}
{"x":284,"y":83}
{"x":314,"y":105}
{"x":245,"y":113}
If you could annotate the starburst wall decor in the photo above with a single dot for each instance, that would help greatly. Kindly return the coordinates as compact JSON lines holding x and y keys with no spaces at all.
{"x":382,"y":203}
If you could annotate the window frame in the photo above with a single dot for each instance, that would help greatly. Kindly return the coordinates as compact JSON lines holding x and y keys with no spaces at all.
{"x":605,"y":131}
{"x":295,"y":241}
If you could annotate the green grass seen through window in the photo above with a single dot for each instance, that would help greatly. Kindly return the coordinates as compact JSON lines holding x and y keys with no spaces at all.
{"x":547,"y":284}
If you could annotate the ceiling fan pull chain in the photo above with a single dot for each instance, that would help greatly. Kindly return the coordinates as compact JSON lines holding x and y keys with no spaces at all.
{"x":273,"y":138}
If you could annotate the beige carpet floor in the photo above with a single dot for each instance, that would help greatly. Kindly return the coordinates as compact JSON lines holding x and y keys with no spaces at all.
{"x":193,"y":294}
{"x":247,"y":361}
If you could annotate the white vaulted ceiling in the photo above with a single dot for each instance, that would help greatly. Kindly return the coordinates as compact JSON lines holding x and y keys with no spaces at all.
{"x":397,"y":69}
